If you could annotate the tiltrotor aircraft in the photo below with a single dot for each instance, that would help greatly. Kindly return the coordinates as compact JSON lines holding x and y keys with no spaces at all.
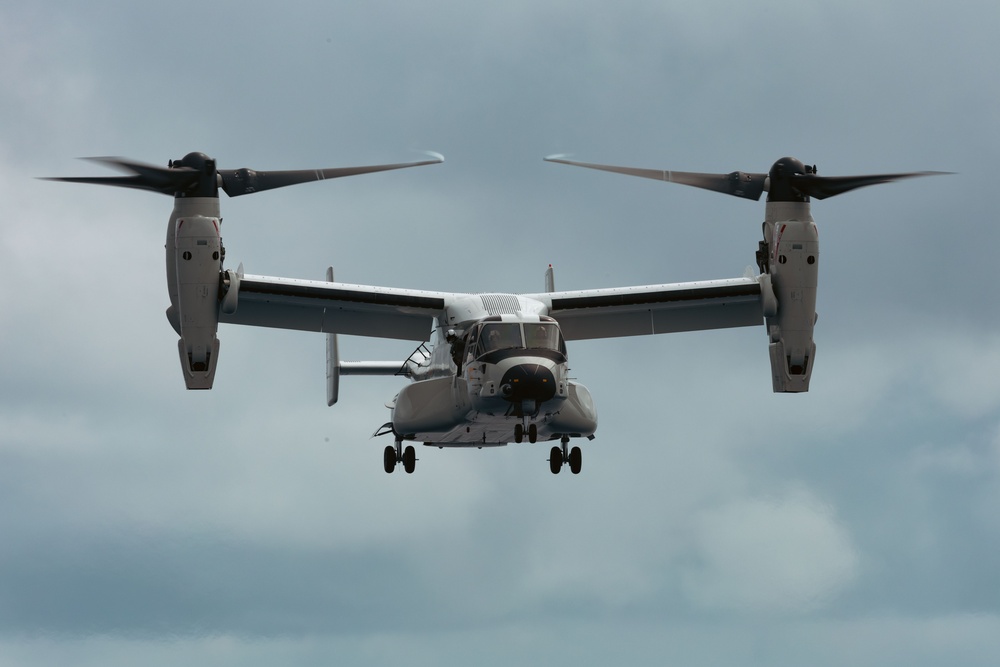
{"x":490,"y":368}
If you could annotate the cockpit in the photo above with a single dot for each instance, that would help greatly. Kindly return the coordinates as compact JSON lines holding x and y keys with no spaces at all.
{"x":494,"y":339}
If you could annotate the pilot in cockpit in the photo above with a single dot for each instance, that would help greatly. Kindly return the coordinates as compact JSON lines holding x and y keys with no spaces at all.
{"x":541,"y":338}
{"x":493,"y":340}
{"x":498,"y":336}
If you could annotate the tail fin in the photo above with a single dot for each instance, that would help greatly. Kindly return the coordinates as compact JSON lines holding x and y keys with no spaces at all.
{"x":550,"y":280}
{"x":332,"y":360}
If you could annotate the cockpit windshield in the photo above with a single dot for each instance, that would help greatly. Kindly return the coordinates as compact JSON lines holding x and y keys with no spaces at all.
{"x":496,"y":336}
{"x":543,"y":336}
{"x":499,"y":336}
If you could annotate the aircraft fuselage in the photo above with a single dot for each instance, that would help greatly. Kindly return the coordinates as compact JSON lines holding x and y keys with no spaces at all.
{"x":495,"y":380}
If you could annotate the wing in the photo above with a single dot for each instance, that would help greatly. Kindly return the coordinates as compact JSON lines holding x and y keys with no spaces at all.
{"x":330,"y":307}
{"x":655,"y":309}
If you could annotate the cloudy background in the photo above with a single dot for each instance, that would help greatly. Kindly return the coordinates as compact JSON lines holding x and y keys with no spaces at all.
{"x":714,"y":523}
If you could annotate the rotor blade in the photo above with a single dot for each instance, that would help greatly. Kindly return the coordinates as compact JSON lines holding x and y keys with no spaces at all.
{"x":141,"y":168}
{"x":822,"y":187}
{"x":236,"y":182}
{"x":737,"y":183}
{"x":136,"y":182}
{"x":145,"y":176}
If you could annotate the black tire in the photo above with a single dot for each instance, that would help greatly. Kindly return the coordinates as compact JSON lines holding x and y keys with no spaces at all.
{"x":575,"y":460}
{"x":409,"y":459}
{"x":518,"y":432}
{"x":389,"y":458}
{"x":555,"y":460}
{"x":532,"y":433}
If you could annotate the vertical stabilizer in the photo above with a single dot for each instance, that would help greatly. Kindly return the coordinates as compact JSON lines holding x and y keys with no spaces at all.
{"x":332,"y":360}
{"x":550,"y":280}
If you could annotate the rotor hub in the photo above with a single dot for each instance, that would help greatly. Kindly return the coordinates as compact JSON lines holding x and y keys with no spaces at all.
{"x":780,"y":177}
{"x":205,"y":183}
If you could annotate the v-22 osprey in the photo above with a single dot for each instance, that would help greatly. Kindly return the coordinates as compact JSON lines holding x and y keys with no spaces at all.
{"x":490,"y":369}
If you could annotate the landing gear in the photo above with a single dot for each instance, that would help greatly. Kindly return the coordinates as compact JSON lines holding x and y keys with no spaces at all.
{"x":394,"y":454}
{"x":555,"y":460}
{"x":575,"y":460}
{"x":560,"y":455}
{"x":519,"y":433}
{"x":409,"y":459}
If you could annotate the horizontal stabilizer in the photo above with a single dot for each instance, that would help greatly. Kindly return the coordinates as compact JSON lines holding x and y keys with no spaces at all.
{"x":375,"y":368}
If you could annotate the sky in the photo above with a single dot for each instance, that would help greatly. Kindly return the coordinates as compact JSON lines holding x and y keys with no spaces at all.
{"x":714,"y":522}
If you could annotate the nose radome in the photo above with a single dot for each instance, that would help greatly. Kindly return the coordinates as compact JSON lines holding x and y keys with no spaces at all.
{"x":528,"y":382}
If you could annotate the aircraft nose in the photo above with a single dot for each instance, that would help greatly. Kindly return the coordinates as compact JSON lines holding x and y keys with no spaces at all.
{"x":528,"y":382}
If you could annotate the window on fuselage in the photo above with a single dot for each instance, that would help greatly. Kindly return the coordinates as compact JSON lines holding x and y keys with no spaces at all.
{"x":499,"y":336}
{"x":544,"y":336}
{"x":507,"y":336}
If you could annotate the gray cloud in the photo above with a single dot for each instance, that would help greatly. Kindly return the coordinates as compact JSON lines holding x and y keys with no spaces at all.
{"x":714,"y":522}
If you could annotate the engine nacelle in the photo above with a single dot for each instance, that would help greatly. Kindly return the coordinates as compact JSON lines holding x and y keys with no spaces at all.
{"x":194,"y":264}
{"x":793,"y":266}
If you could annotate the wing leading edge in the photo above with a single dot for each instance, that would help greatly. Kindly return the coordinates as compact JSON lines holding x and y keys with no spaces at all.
{"x":656,"y":309}
{"x":328,"y":307}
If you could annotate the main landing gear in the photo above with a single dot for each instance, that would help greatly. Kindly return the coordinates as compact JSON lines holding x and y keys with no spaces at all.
{"x":397,"y":454}
{"x":561,"y":455}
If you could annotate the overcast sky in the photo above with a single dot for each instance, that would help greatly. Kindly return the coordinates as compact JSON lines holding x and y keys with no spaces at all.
{"x":714,"y":522}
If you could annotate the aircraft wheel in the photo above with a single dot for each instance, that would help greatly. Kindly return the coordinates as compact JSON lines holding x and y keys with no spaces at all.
{"x":575,"y":460}
{"x":518,"y":432}
{"x":555,"y":460}
{"x":389,"y":458}
{"x":532,"y":433}
{"x":409,"y":459}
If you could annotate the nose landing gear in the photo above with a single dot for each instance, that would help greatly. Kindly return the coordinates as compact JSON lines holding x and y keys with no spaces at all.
{"x":519,"y":433}
{"x":558,"y":456}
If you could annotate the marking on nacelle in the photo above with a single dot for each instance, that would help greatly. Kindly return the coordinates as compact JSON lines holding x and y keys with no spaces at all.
{"x":777,"y":241}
